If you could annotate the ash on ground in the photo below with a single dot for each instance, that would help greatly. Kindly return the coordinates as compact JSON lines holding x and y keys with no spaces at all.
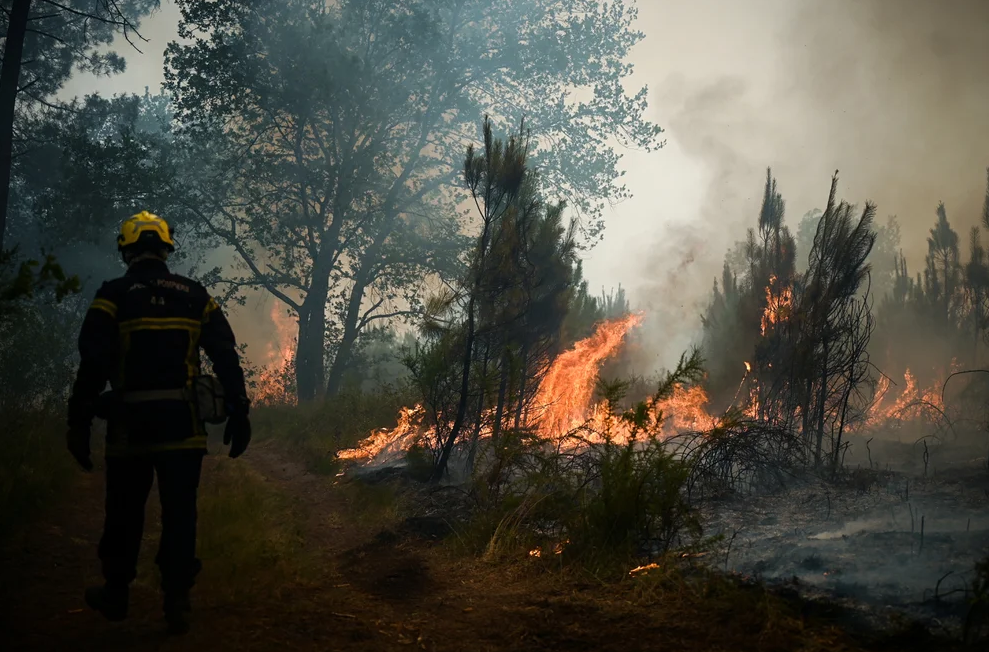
{"x":887,"y":541}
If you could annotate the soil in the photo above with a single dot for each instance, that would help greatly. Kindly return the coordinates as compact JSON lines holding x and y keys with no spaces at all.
{"x":372,"y":590}
{"x":884,"y":542}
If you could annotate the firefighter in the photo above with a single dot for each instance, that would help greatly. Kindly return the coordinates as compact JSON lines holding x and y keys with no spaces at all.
{"x":142,"y":334}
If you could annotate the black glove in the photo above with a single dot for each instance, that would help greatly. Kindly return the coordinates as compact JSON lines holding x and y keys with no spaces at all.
{"x":237,"y":434}
{"x":77,"y":440}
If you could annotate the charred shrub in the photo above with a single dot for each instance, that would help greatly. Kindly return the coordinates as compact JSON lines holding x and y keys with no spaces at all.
{"x":420,"y":462}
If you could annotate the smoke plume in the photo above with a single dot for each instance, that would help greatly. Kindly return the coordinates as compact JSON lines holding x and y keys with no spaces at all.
{"x":891,"y":94}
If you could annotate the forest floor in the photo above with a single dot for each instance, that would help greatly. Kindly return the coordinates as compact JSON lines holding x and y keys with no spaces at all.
{"x":358,"y":579}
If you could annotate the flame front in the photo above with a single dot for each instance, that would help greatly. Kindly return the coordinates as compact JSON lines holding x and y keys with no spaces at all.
{"x":912,"y":403}
{"x":273,"y":383}
{"x":564,"y":400}
{"x":565,"y":394}
{"x":385,"y":441}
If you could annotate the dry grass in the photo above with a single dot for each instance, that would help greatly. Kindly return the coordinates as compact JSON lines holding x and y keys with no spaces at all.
{"x":316,"y":431}
{"x":250,"y":533}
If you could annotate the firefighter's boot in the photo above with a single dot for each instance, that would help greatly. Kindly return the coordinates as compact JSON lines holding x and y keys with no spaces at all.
{"x":109,"y":600}
{"x":177,"y":610}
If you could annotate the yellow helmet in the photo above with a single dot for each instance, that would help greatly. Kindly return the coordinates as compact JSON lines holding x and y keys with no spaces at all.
{"x":146,"y":230}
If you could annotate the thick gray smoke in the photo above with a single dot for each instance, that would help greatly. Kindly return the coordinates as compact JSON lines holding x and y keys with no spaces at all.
{"x":894,"y":94}
{"x":891,"y":94}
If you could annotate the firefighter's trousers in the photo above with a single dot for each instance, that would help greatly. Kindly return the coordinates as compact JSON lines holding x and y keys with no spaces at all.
{"x":128,"y":483}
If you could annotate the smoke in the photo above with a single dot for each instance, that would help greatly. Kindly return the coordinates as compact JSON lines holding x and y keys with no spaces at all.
{"x":894,"y":94}
{"x":891,"y":94}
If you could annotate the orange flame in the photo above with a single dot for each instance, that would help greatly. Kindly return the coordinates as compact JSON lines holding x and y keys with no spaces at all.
{"x":685,"y":410}
{"x":912,"y":403}
{"x":273,"y":386}
{"x":564,"y":398}
{"x":567,"y":389}
{"x":778,"y":305}
{"x":395,"y":440}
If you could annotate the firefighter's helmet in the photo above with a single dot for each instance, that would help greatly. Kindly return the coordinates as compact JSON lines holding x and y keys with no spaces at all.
{"x":145,"y":231}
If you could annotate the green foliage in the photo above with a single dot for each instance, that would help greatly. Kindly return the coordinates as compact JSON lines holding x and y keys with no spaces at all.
{"x":35,"y":469}
{"x":338,"y":188}
{"x":600,"y":505}
{"x":32,"y":277}
{"x":639,"y":506}
{"x":38,"y":305}
{"x":97,"y":163}
{"x":69,"y":36}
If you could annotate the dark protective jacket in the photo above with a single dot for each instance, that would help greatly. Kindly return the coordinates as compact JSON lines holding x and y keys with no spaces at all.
{"x":142,"y":334}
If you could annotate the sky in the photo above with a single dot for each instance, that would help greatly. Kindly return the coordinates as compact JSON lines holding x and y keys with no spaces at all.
{"x":891,"y":93}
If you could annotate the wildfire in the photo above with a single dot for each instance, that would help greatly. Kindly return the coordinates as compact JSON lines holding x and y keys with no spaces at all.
{"x":558,"y":549}
{"x":388,"y":441}
{"x":273,"y":384}
{"x":912,"y":403}
{"x":753,"y":410}
{"x":778,"y":305}
{"x":686,"y":410}
{"x":566,"y":391}
{"x":565,"y":402}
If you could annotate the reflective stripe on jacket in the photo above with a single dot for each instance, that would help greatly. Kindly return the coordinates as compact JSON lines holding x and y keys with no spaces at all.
{"x":142,"y":334}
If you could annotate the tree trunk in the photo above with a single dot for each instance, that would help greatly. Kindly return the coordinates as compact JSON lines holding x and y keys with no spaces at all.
{"x":312,"y":333}
{"x":350,"y":332}
{"x":822,"y":399}
{"x":476,"y":435}
{"x":522,"y":385}
{"x":502,"y":392}
{"x":9,"y":79}
{"x":806,"y":415}
{"x":468,"y":358}
{"x":458,"y":422}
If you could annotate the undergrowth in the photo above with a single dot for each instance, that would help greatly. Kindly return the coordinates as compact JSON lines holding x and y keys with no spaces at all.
{"x":977,"y":620}
{"x":250,"y":534}
{"x":314,"y":432}
{"x":594,"y":501}
{"x":713,"y":611}
{"x":34,"y":467}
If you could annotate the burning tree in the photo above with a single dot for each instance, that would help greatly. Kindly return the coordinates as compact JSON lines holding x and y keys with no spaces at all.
{"x":810,"y":333}
{"x":745,"y":312}
{"x":501,"y":325}
{"x":831,"y":361}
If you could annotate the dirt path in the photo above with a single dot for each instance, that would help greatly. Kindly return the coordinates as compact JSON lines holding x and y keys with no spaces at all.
{"x":368,"y":590}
